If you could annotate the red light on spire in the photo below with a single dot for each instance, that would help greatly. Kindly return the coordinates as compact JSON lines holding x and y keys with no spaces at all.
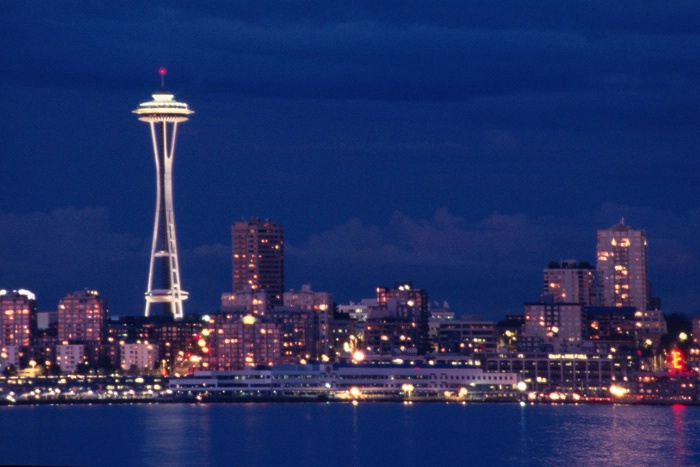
{"x":162,"y":72}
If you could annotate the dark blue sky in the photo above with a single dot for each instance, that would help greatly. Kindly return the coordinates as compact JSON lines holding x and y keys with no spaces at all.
{"x":462,"y":145}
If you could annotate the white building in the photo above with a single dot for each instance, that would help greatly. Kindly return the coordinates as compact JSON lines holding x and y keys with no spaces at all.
{"x":142,"y":356}
{"x":358,"y":311}
{"x":69,"y":356}
{"x":9,"y":355}
{"x":571,"y":282}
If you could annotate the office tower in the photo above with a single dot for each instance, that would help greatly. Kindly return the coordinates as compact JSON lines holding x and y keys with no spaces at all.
{"x":82,"y":318}
{"x":163,"y":114}
{"x":17,"y":318}
{"x":622,"y":266}
{"x":571,"y":282}
{"x":258,"y":258}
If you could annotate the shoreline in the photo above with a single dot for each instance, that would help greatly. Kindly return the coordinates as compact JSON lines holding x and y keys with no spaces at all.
{"x":308,"y":400}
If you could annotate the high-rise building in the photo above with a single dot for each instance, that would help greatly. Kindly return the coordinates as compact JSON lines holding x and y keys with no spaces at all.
{"x":622,"y":266}
{"x":258,"y":258}
{"x":82,"y":318}
{"x":17,"y":318}
{"x":571,"y":282}
{"x":163,"y":114}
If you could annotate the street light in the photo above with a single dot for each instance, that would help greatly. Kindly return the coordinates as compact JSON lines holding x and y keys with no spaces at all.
{"x":408,"y":389}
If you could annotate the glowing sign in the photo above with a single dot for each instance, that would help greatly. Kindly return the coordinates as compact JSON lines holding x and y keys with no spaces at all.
{"x":676,"y":361}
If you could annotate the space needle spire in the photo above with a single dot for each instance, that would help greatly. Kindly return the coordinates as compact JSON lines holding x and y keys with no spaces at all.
{"x":163,"y":114}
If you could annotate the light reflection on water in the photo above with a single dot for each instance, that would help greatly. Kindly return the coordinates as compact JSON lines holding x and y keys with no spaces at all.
{"x":340,"y":434}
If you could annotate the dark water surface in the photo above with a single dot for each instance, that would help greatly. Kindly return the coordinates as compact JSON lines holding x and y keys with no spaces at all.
{"x":371,"y":434}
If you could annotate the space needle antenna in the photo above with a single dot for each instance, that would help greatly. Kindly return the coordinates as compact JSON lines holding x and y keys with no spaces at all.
{"x":162,"y":72}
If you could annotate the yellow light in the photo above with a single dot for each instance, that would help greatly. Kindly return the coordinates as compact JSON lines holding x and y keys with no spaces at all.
{"x":355,"y":391}
{"x":618,"y":391}
{"x":249,"y":319}
{"x":358,"y":356}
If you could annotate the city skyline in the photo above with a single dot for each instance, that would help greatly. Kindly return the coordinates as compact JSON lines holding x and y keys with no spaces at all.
{"x":453,"y":146}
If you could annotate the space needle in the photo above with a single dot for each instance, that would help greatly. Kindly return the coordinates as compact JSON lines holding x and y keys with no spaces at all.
{"x":163,"y":114}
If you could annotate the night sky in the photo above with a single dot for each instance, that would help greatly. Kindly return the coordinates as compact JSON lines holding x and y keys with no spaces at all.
{"x":461,"y":145}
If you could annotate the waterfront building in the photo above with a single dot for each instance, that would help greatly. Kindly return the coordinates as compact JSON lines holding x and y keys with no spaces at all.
{"x":163,"y":114}
{"x":610,"y":327}
{"x":580,"y":373}
{"x":238,"y":341}
{"x":466,"y":336}
{"x":351,"y":382}
{"x":17,"y":318}
{"x":70,"y":356}
{"x":622,"y":266}
{"x":552,"y":325}
{"x":319,"y":306}
{"x":175,"y":340}
{"x":140,"y":356}
{"x":388,"y":335}
{"x":571,"y":282}
{"x":258,"y":258}
{"x":82,"y":317}
{"x":400,"y":320}
{"x":82,"y":320}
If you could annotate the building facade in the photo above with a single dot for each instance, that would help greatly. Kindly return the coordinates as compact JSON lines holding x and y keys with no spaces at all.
{"x":554,"y":326}
{"x":82,"y":317}
{"x":571,"y":282}
{"x":622,"y":266}
{"x":258,"y":258}
{"x":17,"y":318}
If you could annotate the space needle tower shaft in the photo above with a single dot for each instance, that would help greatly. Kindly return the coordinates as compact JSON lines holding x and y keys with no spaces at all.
{"x":163,"y":114}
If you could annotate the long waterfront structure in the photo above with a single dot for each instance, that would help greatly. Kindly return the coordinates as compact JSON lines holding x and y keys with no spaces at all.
{"x":347,"y":381}
{"x":163,"y":114}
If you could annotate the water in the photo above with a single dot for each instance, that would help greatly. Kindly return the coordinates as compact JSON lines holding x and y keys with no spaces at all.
{"x":317,"y":434}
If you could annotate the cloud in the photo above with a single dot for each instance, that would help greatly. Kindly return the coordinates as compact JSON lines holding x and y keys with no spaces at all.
{"x":444,"y":240}
{"x":501,"y":254}
{"x":67,"y":249}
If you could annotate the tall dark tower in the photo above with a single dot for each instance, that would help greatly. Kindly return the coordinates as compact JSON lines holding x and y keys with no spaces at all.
{"x":163,"y":114}
{"x":258,"y":258}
